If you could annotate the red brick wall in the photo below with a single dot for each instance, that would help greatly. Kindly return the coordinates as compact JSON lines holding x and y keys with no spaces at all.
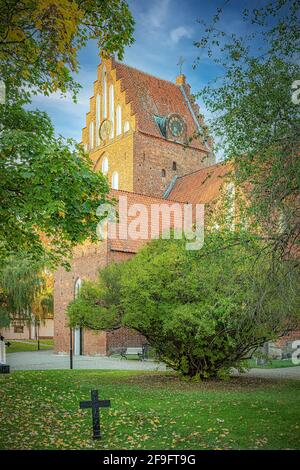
{"x":152,"y":155}
{"x":124,"y":336}
{"x":85,"y":264}
{"x":292,"y":336}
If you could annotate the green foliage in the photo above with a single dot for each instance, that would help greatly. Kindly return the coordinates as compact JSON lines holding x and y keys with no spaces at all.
{"x":49,"y":193}
{"x":203,"y":311}
{"x":98,"y":304}
{"x":150,"y":410}
{"x":40,"y":40}
{"x":253,"y":115}
{"x":20,"y":283}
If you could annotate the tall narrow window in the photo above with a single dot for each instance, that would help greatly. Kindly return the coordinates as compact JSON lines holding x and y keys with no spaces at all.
{"x":115,"y":180}
{"x":112,"y":109}
{"x":91,"y":134}
{"x":104,"y":93}
{"x":119,"y":119}
{"x":98,"y":113}
{"x":105,"y":165}
{"x":77,"y":287}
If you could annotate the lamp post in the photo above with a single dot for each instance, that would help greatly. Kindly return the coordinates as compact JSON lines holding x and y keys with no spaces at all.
{"x":37,"y":332}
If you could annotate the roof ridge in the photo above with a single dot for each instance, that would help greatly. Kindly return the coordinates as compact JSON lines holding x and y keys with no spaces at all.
{"x":145,"y":73}
{"x":222,"y":162}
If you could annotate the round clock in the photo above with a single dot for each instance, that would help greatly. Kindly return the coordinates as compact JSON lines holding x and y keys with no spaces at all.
{"x":105,"y":129}
{"x":176,"y":125}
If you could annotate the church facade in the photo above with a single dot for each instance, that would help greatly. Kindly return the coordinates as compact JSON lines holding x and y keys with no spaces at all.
{"x":143,"y":133}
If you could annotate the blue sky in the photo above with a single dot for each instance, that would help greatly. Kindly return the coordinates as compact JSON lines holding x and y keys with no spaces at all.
{"x":164,"y":31}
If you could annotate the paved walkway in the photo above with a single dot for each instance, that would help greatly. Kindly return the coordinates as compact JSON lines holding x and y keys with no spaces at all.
{"x":42,"y":360}
{"x":279,"y":373}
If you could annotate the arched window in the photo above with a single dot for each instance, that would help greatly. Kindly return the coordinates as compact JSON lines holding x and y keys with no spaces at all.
{"x":104,"y":92}
{"x":91,"y":134}
{"x":98,"y":113}
{"x":126,"y":126}
{"x":119,"y":119}
{"x":112,"y":109}
{"x":115,"y":180}
{"x":77,"y":287}
{"x":105,"y":165}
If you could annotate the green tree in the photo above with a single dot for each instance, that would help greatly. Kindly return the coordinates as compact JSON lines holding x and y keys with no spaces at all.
{"x":255,"y":118}
{"x":40,"y":40}
{"x":49,"y":193}
{"x":203,"y":311}
{"x":21,"y":283}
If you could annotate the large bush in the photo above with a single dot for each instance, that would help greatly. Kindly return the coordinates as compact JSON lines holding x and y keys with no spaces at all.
{"x":203,"y":311}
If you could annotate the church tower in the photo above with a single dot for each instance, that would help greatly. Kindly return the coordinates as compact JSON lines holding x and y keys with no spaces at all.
{"x":142,"y":131}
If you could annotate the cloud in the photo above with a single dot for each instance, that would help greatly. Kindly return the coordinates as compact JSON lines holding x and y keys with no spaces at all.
{"x":179,"y":33}
{"x":157,"y":13}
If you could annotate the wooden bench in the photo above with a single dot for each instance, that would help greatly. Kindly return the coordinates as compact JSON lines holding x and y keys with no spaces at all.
{"x":138,"y":351}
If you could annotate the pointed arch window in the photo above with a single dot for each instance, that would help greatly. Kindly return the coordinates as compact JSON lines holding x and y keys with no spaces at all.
{"x":77,"y":287}
{"x":105,"y":165}
{"x":230,"y":189}
{"x":115,"y":180}
{"x":98,"y":114}
{"x":119,"y":120}
{"x":112,"y":109}
{"x":91,"y":132}
{"x":104,"y":93}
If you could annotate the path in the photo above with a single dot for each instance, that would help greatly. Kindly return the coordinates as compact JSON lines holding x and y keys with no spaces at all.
{"x":42,"y":360}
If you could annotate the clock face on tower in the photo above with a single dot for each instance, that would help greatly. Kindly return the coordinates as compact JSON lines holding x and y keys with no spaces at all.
{"x":105,"y":129}
{"x":176,"y":125}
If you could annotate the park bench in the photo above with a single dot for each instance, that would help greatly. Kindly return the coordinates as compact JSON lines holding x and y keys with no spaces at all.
{"x":138,"y":351}
{"x":4,"y":368}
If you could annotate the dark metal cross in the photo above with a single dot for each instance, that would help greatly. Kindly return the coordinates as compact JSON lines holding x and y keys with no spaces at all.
{"x":95,"y":404}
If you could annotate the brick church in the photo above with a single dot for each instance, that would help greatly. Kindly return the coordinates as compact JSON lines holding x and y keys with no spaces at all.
{"x":142,"y":132}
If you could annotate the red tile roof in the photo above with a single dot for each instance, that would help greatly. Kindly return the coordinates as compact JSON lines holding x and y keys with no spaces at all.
{"x":202,"y":186}
{"x":151,"y":96}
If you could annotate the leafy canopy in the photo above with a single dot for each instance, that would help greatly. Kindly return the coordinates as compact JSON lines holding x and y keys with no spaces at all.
{"x":47,"y":187}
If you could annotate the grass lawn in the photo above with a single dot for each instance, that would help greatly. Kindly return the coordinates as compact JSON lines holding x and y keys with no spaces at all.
{"x":272,"y":364}
{"x":28,"y":345}
{"x":40,"y":410}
